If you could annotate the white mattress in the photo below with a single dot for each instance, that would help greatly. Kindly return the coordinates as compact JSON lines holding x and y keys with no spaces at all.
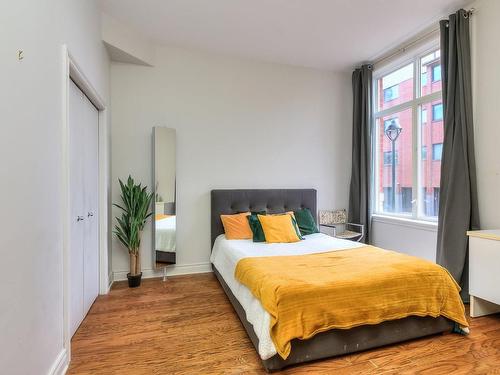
{"x":165,"y":234}
{"x":227,"y":253}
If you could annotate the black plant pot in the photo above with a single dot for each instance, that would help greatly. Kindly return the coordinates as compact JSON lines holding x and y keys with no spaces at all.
{"x":134,"y":281}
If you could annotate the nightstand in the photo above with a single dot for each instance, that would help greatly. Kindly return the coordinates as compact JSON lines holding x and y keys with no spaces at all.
{"x":484,"y":272}
{"x":356,"y":234}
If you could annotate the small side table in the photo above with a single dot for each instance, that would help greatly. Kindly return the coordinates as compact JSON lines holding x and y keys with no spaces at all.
{"x":353,"y":235}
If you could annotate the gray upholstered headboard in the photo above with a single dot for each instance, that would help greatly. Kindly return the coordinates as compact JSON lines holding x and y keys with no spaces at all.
{"x":257,"y":200}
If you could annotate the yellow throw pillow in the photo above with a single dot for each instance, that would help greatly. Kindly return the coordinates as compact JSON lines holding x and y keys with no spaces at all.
{"x":278,"y":228}
{"x":236,"y":227}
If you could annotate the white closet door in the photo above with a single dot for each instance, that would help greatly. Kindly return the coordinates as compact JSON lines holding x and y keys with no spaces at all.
{"x":91,"y":237}
{"x":84,"y":245}
{"x":77,"y":207}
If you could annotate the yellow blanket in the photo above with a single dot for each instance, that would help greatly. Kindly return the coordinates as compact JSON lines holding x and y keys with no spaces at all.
{"x":308,"y":294}
{"x":161,"y":216}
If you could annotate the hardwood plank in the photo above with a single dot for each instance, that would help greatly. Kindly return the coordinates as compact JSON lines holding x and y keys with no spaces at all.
{"x":187,"y":326}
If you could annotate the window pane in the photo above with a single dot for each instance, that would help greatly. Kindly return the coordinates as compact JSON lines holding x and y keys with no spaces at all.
{"x":431,"y":135}
{"x":424,"y":116}
{"x":395,"y":164}
{"x":437,"y":151}
{"x":437,"y":112}
{"x":436,"y":73}
{"x":424,"y":152}
{"x":395,"y":88}
{"x":430,"y":68}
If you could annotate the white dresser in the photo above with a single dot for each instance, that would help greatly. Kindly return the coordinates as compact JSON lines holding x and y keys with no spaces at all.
{"x":484,"y":272}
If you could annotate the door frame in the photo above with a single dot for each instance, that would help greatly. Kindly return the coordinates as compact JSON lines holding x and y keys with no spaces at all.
{"x":71,"y":71}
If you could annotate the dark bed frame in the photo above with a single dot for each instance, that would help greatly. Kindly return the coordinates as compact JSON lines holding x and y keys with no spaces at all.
{"x":326,"y":344}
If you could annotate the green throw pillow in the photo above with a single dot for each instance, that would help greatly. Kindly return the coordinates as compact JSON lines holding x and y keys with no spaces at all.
{"x":256,"y":227}
{"x":306,"y":222}
{"x":297,"y":229}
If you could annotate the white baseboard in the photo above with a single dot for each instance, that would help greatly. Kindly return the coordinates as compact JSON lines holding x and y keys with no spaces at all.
{"x":174,"y":270}
{"x":61,"y":364}
{"x":110,"y":281}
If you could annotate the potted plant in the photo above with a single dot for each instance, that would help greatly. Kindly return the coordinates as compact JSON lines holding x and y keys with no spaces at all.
{"x":136,"y":209}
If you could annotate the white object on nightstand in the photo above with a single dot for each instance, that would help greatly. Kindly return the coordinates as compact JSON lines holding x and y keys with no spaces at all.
{"x":484,"y":272}
{"x":160,"y":208}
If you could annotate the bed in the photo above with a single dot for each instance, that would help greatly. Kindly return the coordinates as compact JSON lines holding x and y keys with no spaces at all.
{"x":251,"y":313}
{"x":165,"y":243}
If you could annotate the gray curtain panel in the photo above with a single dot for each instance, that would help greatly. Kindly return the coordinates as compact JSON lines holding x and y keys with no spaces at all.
{"x":458,"y":207}
{"x":359,"y":192}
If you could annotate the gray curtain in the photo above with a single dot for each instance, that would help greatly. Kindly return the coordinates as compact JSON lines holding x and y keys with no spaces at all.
{"x":359,"y":192}
{"x":458,"y":207}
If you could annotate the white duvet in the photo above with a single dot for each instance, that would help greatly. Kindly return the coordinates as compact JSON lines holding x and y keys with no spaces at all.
{"x":165,"y":234}
{"x":227,"y":253}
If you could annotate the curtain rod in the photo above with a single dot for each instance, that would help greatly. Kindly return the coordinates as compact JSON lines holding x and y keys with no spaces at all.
{"x":405,"y":47}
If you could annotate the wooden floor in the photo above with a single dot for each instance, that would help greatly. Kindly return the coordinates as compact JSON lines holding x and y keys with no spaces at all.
{"x":187,"y":326}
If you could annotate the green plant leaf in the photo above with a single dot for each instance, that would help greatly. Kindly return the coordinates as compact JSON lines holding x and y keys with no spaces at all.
{"x":136,"y":209}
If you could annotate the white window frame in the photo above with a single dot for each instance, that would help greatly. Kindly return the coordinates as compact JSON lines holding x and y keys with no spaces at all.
{"x":416,"y":215}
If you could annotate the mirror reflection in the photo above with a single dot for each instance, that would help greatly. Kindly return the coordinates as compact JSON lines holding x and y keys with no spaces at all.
{"x":165,"y":196}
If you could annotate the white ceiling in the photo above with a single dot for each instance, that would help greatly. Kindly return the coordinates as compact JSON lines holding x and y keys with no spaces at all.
{"x":325,"y":34}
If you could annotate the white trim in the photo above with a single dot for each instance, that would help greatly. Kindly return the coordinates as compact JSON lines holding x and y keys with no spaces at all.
{"x":409,"y":104}
{"x":65,"y":206}
{"x":71,"y":71}
{"x":430,"y":226}
{"x":76,"y":74}
{"x":60,"y":365}
{"x":110,"y":282}
{"x":175,"y":270}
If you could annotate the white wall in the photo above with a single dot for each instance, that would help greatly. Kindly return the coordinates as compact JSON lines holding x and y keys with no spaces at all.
{"x":406,"y":237}
{"x":31,"y":313}
{"x":485,"y":55}
{"x":124,"y":43}
{"x":486,"y":84}
{"x":240,"y":124}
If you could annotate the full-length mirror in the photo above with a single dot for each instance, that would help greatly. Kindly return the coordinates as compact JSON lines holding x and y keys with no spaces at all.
{"x":165,"y":196}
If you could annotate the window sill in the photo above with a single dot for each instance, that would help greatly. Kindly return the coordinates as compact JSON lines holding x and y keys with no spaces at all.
{"x":405,"y":222}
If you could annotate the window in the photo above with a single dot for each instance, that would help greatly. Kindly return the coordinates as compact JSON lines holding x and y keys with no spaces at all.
{"x":387,"y":199}
{"x":435,"y":202}
{"x":424,"y":116}
{"x":437,"y":151}
{"x":430,"y":71}
{"x":388,"y":157}
{"x":389,"y":121}
{"x":406,"y":97}
{"x":436,"y":73}
{"x":391,"y":93}
{"x":393,"y":87}
{"x":431,"y":202}
{"x":437,"y":112}
{"x":423,"y":80}
{"x":406,"y":195}
{"x":424,"y":153}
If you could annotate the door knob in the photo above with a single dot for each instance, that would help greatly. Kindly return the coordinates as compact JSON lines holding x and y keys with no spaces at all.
{"x":90,"y":214}
{"x":79,"y":218}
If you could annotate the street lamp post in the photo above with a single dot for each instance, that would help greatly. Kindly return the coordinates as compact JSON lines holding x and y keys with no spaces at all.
{"x":392,"y":132}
